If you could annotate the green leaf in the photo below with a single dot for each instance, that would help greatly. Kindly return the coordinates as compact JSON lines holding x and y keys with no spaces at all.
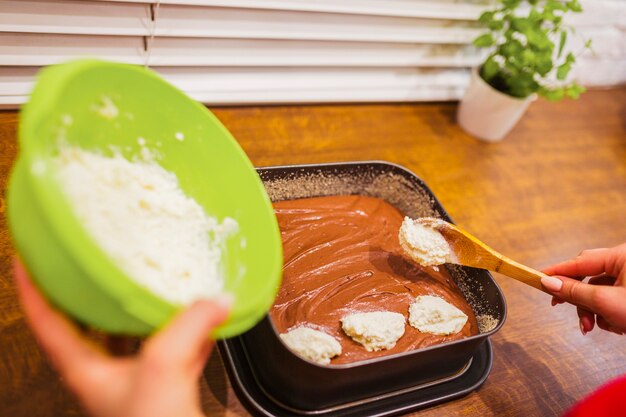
{"x":522,"y":85}
{"x":574,"y":90}
{"x":490,"y":69}
{"x":484,"y":40}
{"x":562,"y":71}
{"x":539,"y":40}
{"x":486,"y":17}
{"x":544,"y":63}
{"x":496,"y":25}
{"x":555,"y":5}
{"x":521,"y":24}
{"x":534,"y":16}
{"x":510,"y":4}
{"x":562,"y":41}
{"x":548,"y":15}
{"x":574,"y":6}
{"x":513,"y":48}
{"x":527,"y":57}
{"x":508,"y":34}
{"x":513,"y":67}
{"x":554,"y":94}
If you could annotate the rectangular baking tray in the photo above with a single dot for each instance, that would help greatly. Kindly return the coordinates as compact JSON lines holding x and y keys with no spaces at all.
{"x":304,"y":388}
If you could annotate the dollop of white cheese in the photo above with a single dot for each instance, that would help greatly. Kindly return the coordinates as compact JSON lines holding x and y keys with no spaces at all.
{"x":312,"y":344}
{"x":423,"y":244}
{"x":431,"y":314}
{"x":374,"y":330}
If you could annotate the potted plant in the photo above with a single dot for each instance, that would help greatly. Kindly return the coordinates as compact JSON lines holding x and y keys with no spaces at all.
{"x":526,"y":39}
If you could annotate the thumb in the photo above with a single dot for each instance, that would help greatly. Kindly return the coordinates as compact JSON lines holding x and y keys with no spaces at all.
{"x":185,"y":343}
{"x":573,"y":291}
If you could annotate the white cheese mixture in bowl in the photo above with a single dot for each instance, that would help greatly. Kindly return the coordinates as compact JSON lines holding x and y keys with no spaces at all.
{"x":137,"y":213}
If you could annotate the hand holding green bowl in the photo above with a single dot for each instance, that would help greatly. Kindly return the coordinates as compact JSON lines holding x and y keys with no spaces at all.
{"x":65,"y":262}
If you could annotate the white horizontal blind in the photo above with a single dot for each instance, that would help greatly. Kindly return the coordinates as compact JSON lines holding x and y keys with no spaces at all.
{"x":444,"y":9}
{"x":45,"y":49}
{"x":254,"y":51}
{"x":108,"y":18}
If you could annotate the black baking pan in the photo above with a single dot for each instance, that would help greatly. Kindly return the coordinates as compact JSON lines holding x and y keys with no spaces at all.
{"x":304,"y":387}
{"x":408,"y":399}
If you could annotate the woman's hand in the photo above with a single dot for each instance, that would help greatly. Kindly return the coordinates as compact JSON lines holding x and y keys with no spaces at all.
{"x":602,"y":299}
{"x":162,"y":380}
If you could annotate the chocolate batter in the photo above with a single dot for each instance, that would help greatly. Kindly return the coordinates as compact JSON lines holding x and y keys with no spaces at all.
{"x":342,"y":256}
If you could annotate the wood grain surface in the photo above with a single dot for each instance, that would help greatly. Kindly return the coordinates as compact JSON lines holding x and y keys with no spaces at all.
{"x":555,"y":186}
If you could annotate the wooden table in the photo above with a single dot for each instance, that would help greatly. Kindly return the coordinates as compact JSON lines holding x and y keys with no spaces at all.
{"x":555,"y":186}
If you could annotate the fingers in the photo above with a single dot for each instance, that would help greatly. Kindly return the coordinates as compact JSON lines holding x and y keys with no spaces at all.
{"x":555,"y":301}
{"x":605,"y":325}
{"x":604,"y":301}
{"x":590,"y":262}
{"x":602,"y":280}
{"x":573,"y":291}
{"x":185,"y":344}
{"x":586,"y":320}
{"x":69,"y":352}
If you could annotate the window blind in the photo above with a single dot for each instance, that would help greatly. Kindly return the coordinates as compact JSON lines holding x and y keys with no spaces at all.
{"x":264,"y":51}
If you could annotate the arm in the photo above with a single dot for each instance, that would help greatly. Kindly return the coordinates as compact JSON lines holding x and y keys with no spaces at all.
{"x":161,"y":381}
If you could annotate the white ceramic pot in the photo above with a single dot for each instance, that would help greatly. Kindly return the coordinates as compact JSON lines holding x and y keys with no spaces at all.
{"x":488,"y":114}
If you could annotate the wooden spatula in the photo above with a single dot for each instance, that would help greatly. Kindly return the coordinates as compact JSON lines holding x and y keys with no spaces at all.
{"x":469,"y":251}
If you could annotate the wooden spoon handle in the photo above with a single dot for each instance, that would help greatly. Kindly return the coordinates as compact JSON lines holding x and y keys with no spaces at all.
{"x":520,"y":272}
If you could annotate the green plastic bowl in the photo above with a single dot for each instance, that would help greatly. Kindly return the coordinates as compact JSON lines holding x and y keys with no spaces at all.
{"x":66,"y":263}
